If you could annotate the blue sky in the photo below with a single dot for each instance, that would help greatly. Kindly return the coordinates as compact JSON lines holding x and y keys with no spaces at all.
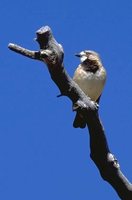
{"x":41,"y":155}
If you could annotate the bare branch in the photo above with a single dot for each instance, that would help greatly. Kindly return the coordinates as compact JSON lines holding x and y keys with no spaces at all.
{"x":23,"y":51}
{"x":51,"y":53}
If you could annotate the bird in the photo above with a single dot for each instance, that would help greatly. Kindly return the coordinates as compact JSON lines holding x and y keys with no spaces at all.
{"x":90,"y":76}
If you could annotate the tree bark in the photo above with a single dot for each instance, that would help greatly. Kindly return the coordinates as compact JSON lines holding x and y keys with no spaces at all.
{"x":51,"y":53}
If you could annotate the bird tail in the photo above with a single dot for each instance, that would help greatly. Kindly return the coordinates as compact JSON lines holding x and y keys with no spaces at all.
{"x":79,"y":121}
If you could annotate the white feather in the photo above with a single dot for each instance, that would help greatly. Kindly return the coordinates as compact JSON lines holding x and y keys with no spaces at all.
{"x":91,"y":83}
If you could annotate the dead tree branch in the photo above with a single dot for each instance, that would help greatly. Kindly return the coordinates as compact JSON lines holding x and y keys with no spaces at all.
{"x":51,"y":53}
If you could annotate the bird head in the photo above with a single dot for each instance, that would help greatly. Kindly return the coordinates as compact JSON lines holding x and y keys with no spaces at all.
{"x":89,"y":56}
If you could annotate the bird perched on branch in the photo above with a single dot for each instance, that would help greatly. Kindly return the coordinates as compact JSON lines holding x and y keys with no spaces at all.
{"x":90,"y":75}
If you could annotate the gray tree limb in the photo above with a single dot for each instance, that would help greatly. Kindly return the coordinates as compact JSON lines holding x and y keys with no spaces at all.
{"x":51,"y":53}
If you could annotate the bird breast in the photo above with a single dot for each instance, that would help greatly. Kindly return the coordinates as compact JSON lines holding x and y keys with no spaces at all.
{"x":91,"y":83}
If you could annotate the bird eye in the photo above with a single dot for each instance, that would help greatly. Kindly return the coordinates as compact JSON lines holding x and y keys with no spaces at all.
{"x":86,"y":52}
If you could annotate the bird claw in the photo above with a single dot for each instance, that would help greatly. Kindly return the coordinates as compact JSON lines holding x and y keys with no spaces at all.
{"x":79,"y":104}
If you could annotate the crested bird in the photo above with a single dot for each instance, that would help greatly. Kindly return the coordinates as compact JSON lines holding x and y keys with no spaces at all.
{"x":90,"y":75}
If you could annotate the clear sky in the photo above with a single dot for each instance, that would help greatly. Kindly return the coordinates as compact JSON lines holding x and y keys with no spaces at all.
{"x":42,"y":157}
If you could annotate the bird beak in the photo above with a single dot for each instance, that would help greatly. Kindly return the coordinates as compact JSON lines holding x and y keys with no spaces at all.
{"x":78,"y":55}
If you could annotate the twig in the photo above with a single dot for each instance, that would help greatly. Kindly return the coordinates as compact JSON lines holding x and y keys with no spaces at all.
{"x":25,"y":52}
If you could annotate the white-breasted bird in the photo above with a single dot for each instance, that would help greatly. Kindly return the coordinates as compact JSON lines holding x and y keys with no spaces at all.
{"x":90,"y":75}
